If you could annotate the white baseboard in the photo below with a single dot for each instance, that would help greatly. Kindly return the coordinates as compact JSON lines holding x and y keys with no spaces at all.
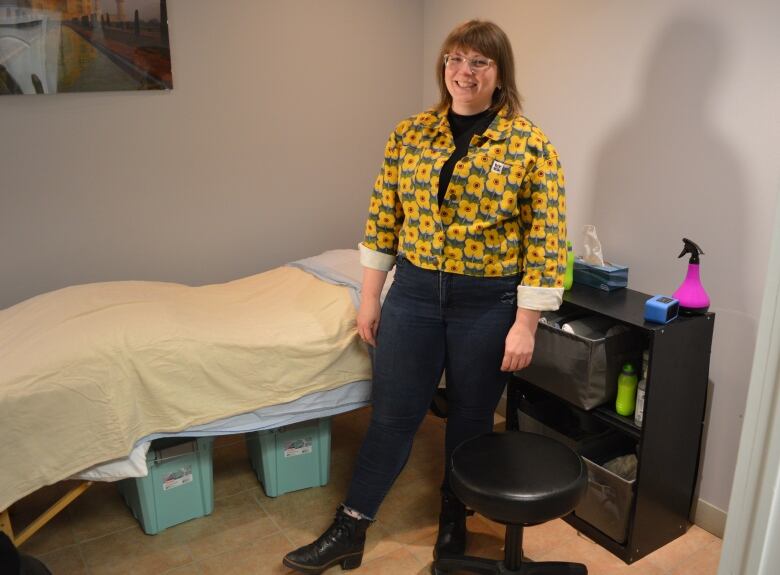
{"x":709,"y":518}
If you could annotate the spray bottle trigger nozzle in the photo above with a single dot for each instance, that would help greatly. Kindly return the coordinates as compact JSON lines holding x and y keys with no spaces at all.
{"x":691,"y":248}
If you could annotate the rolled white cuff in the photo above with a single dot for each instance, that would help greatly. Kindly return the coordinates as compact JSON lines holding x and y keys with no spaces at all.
{"x":375,"y":260}
{"x":539,"y":298}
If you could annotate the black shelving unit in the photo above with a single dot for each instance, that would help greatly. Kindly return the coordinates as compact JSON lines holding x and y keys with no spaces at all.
{"x":668,"y":443}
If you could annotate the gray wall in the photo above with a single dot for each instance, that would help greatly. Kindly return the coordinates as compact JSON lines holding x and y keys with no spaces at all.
{"x":265,"y":151}
{"x":665,"y":115}
{"x":267,"y":147}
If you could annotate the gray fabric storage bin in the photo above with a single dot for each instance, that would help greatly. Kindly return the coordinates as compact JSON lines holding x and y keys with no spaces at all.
{"x":582,"y":371}
{"x":607,"y":502}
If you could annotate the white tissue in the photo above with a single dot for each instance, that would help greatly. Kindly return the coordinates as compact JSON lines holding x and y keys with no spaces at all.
{"x":593,"y":254}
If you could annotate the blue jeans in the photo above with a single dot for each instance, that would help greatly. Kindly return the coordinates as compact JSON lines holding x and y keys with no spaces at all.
{"x":432,"y":321}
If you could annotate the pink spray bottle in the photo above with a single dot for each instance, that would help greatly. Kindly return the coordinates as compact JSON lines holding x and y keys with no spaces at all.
{"x":691,"y":294}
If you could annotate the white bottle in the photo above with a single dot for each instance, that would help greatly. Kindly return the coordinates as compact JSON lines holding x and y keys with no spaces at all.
{"x":639,"y":410}
{"x":640,"y":403}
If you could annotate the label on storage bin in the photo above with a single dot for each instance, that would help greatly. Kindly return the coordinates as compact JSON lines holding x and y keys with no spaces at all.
{"x":297,"y":447}
{"x":177,"y":478}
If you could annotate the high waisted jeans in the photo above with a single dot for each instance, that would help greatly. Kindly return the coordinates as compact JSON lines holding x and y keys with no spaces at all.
{"x":432,"y":321}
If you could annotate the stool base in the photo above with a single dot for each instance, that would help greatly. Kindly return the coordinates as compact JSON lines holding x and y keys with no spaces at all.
{"x":511,"y":564}
{"x":446,"y":565}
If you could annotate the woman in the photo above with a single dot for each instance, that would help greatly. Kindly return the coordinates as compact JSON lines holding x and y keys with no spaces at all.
{"x":470,"y":207}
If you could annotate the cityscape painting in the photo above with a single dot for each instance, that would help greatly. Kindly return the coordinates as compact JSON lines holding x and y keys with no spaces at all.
{"x":56,"y":46}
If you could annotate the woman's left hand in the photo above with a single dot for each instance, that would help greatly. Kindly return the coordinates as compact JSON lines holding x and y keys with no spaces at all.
{"x":519,"y":345}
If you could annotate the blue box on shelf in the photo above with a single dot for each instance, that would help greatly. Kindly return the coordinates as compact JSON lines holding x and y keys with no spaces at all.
{"x":608,"y":277}
{"x":661,"y":309}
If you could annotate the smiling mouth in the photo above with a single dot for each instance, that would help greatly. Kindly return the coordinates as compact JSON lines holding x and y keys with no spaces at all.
{"x":465,"y":84}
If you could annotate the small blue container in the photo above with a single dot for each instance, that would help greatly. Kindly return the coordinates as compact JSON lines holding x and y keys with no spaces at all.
{"x":291,"y":457}
{"x":179,"y":487}
{"x":661,"y":309}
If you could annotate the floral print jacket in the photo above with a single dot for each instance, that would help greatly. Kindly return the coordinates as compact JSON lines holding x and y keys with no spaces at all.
{"x":503,"y":212}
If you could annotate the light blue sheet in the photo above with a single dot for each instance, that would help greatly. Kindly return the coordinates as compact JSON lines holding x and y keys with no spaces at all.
{"x":340,"y":267}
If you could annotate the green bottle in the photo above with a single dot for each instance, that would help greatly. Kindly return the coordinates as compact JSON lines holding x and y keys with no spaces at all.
{"x":626,"y":395}
{"x":568,"y":278}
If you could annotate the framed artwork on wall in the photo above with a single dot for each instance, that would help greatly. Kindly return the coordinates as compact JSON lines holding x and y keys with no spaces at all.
{"x":57,"y":46}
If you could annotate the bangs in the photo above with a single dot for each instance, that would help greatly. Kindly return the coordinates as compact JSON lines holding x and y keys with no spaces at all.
{"x":473,"y":38}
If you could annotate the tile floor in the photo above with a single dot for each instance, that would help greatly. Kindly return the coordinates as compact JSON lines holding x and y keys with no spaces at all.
{"x":249,"y":533}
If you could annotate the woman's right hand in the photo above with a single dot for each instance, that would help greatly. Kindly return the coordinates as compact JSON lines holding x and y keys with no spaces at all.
{"x":368,"y":319}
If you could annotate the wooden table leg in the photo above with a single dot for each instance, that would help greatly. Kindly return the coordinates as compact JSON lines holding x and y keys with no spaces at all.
{"x":50,"y":513}
{"x":5,"y":524}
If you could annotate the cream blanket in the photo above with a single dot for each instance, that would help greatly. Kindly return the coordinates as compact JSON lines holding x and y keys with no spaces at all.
{"x":88,"y":370}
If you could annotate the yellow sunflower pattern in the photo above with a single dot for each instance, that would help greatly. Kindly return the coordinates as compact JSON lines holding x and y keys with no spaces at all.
{"x":503,"y":212}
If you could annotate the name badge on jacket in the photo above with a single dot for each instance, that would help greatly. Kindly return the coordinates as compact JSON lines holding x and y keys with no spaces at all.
{"x":498,"y":167}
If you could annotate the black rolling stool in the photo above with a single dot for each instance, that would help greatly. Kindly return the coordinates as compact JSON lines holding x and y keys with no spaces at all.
{"x":517,"y":479}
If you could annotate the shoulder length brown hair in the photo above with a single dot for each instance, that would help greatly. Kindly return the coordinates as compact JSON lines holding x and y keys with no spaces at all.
{"x":490,"y":41}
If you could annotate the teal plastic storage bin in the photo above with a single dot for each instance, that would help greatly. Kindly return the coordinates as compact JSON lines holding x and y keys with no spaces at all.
{"x":292,"y":457}
{"x":179,"y":487}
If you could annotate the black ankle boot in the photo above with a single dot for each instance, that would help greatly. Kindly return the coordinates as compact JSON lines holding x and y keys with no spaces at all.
{"x":452,"y":527}
{"x":341,"y":543}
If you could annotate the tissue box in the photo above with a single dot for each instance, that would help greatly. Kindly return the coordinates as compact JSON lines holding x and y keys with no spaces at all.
{"x":608,"y":277}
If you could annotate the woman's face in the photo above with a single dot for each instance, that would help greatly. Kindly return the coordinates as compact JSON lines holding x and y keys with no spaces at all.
{"x":471,"y":88}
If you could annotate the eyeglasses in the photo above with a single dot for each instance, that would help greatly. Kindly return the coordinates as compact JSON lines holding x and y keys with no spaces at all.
{"x":475,"y":64}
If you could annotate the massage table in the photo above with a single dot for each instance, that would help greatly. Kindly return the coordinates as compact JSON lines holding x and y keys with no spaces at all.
{"x":91,"y":374}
